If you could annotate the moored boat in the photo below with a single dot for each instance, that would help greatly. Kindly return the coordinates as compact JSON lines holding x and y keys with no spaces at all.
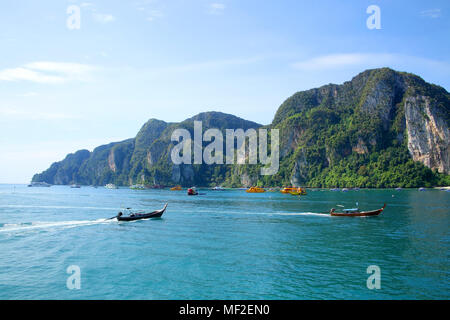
{"x":255,"y":190}
{"x":111,"y":186}
{"x":39,"y":184}
{"x":138,"y":216}
{"x":138,"y":187}
{"x":287,"y":190}
{"x":356,"y":213}
{"x":176,"y":188}
{"x":298,"y":192}
{"x":75,"y":186}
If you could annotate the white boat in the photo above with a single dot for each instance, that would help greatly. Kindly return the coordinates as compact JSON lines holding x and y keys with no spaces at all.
{"x":111,"y":186}
{"x":218,"y":188}
{"x":75,"y":186}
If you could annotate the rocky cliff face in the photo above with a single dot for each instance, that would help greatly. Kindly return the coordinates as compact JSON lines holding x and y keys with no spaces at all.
{"x":428,"y":134}
{"x":382,"y":128}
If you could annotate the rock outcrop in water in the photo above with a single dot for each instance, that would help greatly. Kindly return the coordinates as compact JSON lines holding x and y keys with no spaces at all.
{"x":381,"y":129}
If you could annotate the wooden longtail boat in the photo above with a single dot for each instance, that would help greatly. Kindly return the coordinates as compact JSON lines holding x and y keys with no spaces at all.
{"x":357,"y":213}
{"x":138,"y":216}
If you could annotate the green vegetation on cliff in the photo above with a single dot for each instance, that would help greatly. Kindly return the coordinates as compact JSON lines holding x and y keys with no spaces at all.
{"x":378,"y":130}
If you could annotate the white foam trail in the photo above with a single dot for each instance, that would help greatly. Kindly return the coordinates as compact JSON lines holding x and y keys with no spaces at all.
{"x":303,"y":214}
{"x":287,"y":214}
{"x":56,"y":207}
{"x":49,"y":225}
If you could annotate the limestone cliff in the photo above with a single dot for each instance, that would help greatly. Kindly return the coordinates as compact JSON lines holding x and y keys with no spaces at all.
{"x":381,"y":129}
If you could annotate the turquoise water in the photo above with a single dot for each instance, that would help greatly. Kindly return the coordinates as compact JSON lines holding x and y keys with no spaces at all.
{"x":222,"y":245}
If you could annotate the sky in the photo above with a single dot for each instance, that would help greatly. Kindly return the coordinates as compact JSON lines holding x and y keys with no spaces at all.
{"x":68,"y":84}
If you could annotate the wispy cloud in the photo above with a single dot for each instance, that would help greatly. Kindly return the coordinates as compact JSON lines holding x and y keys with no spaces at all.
{"x":103,"y":18}
{"x":150,"y":10}
{"x":367,"y":60}
{"x":216,"y":8}
{"x":431,"y":13}
{"x":154,"y":14}
{"x":48,"y":72}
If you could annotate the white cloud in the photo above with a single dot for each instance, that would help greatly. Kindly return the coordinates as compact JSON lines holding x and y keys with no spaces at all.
{"x":18,"y":74}
{"x":103,"y":18}
{"x":366,"y":60}
{"x":48,"y":72}
{"x":431,"y":13}
{"x":216,"y":8}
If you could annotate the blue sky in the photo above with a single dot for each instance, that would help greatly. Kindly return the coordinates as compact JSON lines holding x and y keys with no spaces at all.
{"x":62,"y":90}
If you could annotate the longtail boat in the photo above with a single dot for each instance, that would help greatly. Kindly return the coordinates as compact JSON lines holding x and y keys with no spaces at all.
{"x":138,"y":216}
{"x":356,"y":212}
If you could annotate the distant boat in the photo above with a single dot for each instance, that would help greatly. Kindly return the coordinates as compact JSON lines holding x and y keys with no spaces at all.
{"x":137,"y":187}
{"x":218,"y":188}
{"x":334,"y":189}
{"x":298,"y":191}
{"x":356,"y":213}
{"x":111,"y":186}
{"x":176,"y":188}
{"x":344,"y":190}
{"x":138,"y":216}
{"x":39,"y":184}
{"x":75,"y":186}
{"x":398,"y":188}
{"x":157,"y":186}
{"x":192,"y":192}
{"x":255,"y":190}
{"x":288,"y":189}
{"x":422,"y":189}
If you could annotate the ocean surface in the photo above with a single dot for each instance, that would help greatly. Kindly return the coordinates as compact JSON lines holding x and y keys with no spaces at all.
{"x":222,"y":245}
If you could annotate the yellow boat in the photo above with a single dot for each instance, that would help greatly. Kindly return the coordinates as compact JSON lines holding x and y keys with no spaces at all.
{"x":288,"y":190}
{"x":177,"y":188}
{"x":298,"y":192}
{"x":294,"y":191}
{"x":255,"y":190}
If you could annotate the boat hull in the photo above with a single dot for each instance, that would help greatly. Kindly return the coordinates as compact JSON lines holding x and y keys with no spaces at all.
{"x":358,"y":214}
{"x":154,"y":214}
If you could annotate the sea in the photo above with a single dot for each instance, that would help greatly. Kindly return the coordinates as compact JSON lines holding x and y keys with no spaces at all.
{"x":56,"y":243}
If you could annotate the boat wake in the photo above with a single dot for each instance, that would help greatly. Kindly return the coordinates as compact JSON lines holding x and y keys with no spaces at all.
{"x":55,"y":207}
{"x":31,"y":226}
{"x":302,"y":214}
